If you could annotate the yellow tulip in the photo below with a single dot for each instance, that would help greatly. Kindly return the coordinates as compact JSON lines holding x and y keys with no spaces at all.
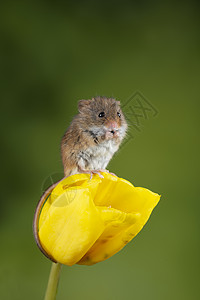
{"x":85,"y":221}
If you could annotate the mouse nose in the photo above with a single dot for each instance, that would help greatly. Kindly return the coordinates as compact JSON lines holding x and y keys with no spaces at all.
{"x":112,"y":126}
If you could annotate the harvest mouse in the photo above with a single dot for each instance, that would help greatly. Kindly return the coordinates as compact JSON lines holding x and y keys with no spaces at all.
{"x":93,"y":136}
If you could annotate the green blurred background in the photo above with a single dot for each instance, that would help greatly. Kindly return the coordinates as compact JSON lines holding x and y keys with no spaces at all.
{"x":52,"y":55}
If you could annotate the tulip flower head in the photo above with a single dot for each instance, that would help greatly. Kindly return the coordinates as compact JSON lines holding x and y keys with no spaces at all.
{"x":85,"y":221}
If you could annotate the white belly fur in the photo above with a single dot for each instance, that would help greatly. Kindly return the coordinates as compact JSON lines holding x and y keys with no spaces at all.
{"x":97,"y":157}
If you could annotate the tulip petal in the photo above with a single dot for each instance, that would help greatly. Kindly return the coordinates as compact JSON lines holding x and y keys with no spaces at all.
{"x":106,"y":246}
{"x":115,"y":222}
{"x":70,"y":228}
{"x":122,"y":195}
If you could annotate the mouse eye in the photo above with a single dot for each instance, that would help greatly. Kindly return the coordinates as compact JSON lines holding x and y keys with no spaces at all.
{"x":119,"y":115}
{"x":102,"y":114}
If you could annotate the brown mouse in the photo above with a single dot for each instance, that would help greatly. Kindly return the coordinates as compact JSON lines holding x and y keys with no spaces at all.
{"x":93,"y":136}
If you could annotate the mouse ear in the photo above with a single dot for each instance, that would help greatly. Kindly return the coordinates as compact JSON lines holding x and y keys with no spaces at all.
{"x":82,"y":104}
{"x":118,"y":103}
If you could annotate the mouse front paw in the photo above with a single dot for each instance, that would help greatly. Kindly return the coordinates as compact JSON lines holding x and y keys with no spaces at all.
{"x":107,"y":171}
{"x":91,"y":172}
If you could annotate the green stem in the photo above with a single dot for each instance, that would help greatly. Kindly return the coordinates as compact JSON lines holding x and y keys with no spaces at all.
{"x":52,"y":286}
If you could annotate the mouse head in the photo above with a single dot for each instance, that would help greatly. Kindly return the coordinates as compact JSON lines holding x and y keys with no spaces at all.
{"x":103,"y":117}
